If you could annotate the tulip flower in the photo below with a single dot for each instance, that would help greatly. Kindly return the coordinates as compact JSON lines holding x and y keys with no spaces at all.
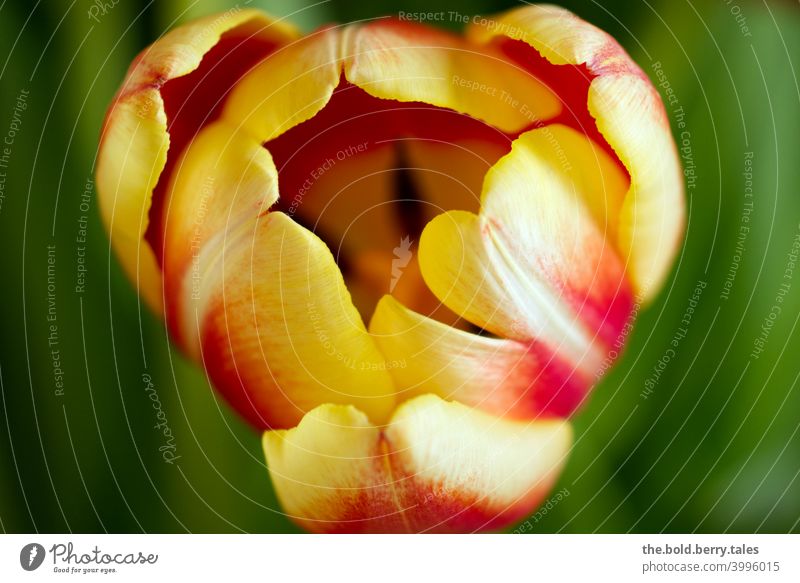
{"x":406,"y":255}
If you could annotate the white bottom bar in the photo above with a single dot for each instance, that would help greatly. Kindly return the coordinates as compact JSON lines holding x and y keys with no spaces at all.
{"x":350,"y":559}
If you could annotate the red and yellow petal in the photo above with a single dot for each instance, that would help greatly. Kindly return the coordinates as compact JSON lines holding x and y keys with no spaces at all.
{"x":437,"y":467}
{"x":136,"y":137}
{"x":630,"y":116}
{"x":533,"y":265}
{"x":507,"y":378}
{"x":225,"y":178}
{"x":278,"y":331}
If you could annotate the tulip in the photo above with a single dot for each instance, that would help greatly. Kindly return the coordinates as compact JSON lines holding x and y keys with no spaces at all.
{"x":495,"y":205}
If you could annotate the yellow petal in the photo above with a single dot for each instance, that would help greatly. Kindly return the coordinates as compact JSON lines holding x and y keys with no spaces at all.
{"x":132,"y":154}
{"x":533,"y":264}
{"x":596,"y":177}
{"x":135,"y":140}
{"x":438,"y":466}
{"x":411,"y":62}
{"x":503,"y":377}
{"x":288,"y":87}
{"x":279,"y":332}
{"x":653,"y":215}
{"x":630,"y":115}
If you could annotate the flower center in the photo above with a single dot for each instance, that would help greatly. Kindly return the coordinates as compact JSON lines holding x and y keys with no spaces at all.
{"x":367,"y":174}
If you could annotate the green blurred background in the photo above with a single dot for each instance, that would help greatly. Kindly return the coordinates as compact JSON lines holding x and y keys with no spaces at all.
{"x":706,"y":442}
